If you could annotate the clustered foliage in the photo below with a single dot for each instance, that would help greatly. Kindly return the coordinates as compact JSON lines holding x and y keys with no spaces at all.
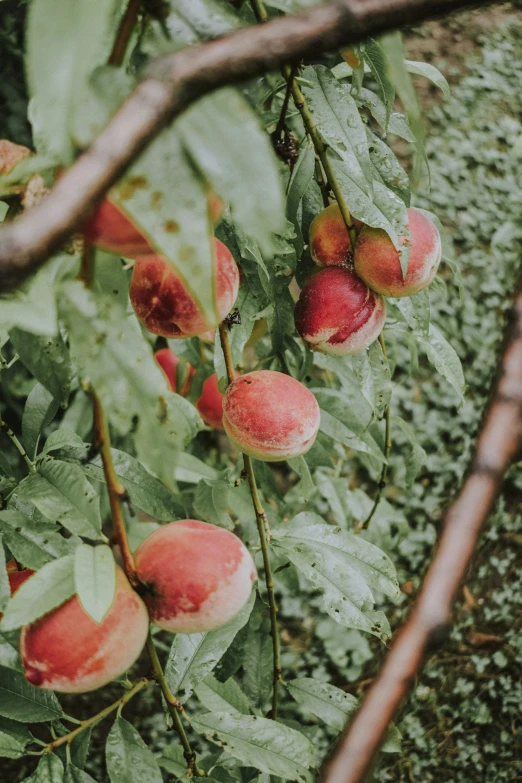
{"x":59,"y":339}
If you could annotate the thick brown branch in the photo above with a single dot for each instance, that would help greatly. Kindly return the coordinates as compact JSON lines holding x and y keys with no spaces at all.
{"x":430,"y":618}
{"x":174,"y":82}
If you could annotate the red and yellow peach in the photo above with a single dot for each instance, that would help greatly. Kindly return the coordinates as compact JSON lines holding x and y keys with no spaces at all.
{"x":162,"y":301}
{"x":377,"y":261}
{"x":111,"y":229}
{"x":67,"y":651}
{"x":168,"y":361}
{"x":329,"y":239}
{"x":197,"y":576}
{"x":337,"y":313}
{"x":270,"y":416}
{"x":210,"y":403}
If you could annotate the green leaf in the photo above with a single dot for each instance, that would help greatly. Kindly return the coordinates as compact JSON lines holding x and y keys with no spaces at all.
{"x":173,"y":760}
{"x":416,"y":312}
{"x":115,"y":358}
{"x":224,"y":138}
{"x":258,"y":662}
{"x":31,"y":307}
{"x":75,"y":775}
{"x":306,"y":485}
{"x":302,"y":175}
{"x":61,"y":438}
{"x":193,"y":656}
{"x":23,"y":702}
{"x":389,"y":171}
{"x":128,"y":758}
{"x":61,"y":493}
{"x":48,"y":588}
{"x":329,"y":703}
{"x":49,"y":770}
{"x":397,"y":123}
{"x":56,"y":74}
{"x":335,"y":428}
{"x":431,"y":73}
{"x":261,"y":743}
{"x":373,"y":54}
{"x":417,"y":457}
{"x":343,"y":565}
{"x":445,"y":359}
{"x":393,"y":741}
{"x":40,"y":409}
{"x":190,"y":469}
{"x":9,"y":655}
{"x":14,"y":738}
{"x":166,"y":199}
{"x":47,"y":358}
{"x":33,"y":542}
{"x":211,"y":502}
{"x":95,"y":579}
{"x":222,"y":696}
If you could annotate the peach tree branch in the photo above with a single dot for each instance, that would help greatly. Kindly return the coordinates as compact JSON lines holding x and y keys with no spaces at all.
{"x":170,"y":85}
{"x":429,"y":621}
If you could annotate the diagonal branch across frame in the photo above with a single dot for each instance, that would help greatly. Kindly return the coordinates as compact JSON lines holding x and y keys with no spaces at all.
{"x":170,"y":85}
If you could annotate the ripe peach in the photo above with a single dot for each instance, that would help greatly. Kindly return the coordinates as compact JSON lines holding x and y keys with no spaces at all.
{"x":168,"y":361}
{"x":210,"y":404}
{"x":17,"y":578}
{"x":198,"y":575}
{"x":270,"y":416}
{"x":67,"y":651}
{"x":329,"y":239}
{"x":162,"y":302}
{"x":11,"y":154}
{"x":337,"y":313}
{"x":112,"y":230}
{"x":377,"y":261}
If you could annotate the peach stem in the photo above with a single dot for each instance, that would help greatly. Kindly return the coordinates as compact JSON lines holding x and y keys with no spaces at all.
{"x":68,"y":738}
{"x":4,"y":427}
{"x":387,"y":449}
{"x":125,"y":30}
{"x":264,"y":537}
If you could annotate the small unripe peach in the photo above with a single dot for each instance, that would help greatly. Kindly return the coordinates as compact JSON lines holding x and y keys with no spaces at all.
{"x":337,"y":313}
{"x":17,"y":578}
{"x":161,"y":300}
{"x":377,"y":261}
{"x":112,"y":230}
{"x":329,"y":239}
{"x":168,"y":361}
{"x":67,"y":651}
{"x":210,"y":404}
{"x":198,"y":576}
{"x":270,"y":416}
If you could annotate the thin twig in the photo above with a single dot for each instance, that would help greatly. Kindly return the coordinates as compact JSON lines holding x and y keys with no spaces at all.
{"x":118,"y":704}
{"x":4,"y":427}
{"x":116,"y":491}
{"x":429,"y":621}
{"x":86,"y":273}
{"x":264,"y":538}
{"x":174,"y":707}
{"x":281,"y":123}
{"x":321,"y":182}
{"x":124,"y":34}
{"x":387,"y":449}
{"x":174,"y":82}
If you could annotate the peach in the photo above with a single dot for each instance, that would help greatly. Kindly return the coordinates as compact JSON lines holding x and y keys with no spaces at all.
{"x":377,"y":261}
{"x":197,"y":576}
{"x":210,"y":403}
{"x":112,"y":230}
{"x":161,"y":300}
{"x":337,"y":313}
{"x":11,"y":154}
{"x":270,"y":416}
{"x":168,"y":361}
{"x":67,"y":651}
{"x":17,"y":578}
{"x":329,"y":239}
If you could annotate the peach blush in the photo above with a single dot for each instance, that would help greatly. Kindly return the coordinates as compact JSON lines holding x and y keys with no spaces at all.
{"x":377,"y":261}
{"x":337,"y":313}
{"x":168,"y":361}
{"x":67,"y":651}
{"x":161,"y":300}
{"x":112,"y":230}
{"x":329,"y":239}
{"x":210,"y":404}
{"x":270,"y":416}
{"x":198,"y":576}
{"x":17,"y":578}
{"x":11,"y":154}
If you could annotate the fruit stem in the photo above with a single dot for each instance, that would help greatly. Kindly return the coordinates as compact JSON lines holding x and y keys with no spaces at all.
{"x":387,"y":449}
{"x":321,"y":150}
{"x":68,"y":738}
{"x":264,"y":537}
{"x":86,"y":273}
{"x":173,"y":705}
{"x":281,"y":123}
{"x":10,"y":434}
{"x":124,"y":33}
{"x":322,"y":184}
{"x":116,"y":490}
